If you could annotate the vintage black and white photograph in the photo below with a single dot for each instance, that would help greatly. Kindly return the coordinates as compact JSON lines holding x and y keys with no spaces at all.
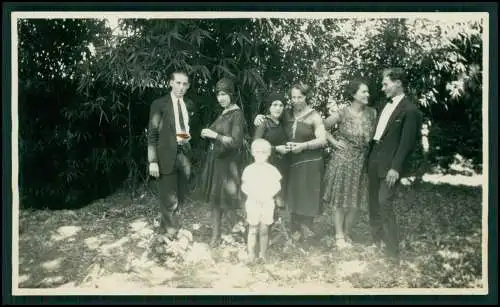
{"x":249,"y":152}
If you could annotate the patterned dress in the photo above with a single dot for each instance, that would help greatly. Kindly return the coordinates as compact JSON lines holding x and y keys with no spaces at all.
{"x":345,"y":180}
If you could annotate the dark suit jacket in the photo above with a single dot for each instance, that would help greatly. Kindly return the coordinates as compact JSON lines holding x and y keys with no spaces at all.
{"x":162,"y":142}
{"x":398,"y":140}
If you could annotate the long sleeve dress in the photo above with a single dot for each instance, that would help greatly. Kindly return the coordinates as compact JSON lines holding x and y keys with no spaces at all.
{"x":221,"y":177}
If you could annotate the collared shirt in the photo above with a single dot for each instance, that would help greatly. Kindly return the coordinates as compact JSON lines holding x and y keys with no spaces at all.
{"x":260,"y":181}
{"x":385,"y":115}
{"x":185,"y":115}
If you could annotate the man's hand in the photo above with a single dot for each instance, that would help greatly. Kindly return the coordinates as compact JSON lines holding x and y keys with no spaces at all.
{"x":259,"y":120}
{"x":185,"y":138}
{"x":392,"y":177}
{"x":154,"y":169}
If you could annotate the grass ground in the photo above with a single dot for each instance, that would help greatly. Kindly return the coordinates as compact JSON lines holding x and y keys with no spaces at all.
{"x":111,"y":243}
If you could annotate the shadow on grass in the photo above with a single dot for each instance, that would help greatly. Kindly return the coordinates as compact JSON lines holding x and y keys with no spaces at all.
{"x":108,"y":244}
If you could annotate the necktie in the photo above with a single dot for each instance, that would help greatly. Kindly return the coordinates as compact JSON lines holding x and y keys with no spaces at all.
{"x":181,"y":116}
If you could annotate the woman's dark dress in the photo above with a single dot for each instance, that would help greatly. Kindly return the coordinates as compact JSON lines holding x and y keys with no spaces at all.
{"x":221,"y":177}
{"x":305,"y":174}
{"x":276,"y":135}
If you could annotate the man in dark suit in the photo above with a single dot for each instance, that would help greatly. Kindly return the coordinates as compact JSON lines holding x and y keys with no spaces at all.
{"x":168,"y":149}
{"x":395,"y":138}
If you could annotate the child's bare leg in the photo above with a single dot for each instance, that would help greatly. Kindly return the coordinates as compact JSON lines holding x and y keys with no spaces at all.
{"x":252,"y":241}
{"x":264,"y":241}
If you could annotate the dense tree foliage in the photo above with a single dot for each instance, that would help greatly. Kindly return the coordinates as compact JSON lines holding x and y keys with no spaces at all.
{"x":84,"y":92}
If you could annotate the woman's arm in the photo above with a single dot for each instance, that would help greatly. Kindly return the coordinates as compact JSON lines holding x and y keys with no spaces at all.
{"x":329,"y":138}
{"x":319,"y":132}
{"x":234,"y":139}
{"x":259,"y":131}
{"x":331,"y":120}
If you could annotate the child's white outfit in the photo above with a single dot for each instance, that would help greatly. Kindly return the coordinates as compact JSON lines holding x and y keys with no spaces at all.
{"x":261,"y":183}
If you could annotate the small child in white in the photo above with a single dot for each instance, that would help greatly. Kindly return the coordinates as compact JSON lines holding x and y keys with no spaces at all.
{"x":261,"y":184}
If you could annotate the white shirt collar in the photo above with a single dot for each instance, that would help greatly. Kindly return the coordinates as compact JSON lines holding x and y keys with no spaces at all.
{"x":175,"y":98}
{"x":397,"y":99}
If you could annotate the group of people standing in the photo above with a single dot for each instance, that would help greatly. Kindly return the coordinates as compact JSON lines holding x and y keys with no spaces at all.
{"x":370,"y":150}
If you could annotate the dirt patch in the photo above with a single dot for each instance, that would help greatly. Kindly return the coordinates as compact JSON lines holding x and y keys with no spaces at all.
{"x":110,"y":244}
